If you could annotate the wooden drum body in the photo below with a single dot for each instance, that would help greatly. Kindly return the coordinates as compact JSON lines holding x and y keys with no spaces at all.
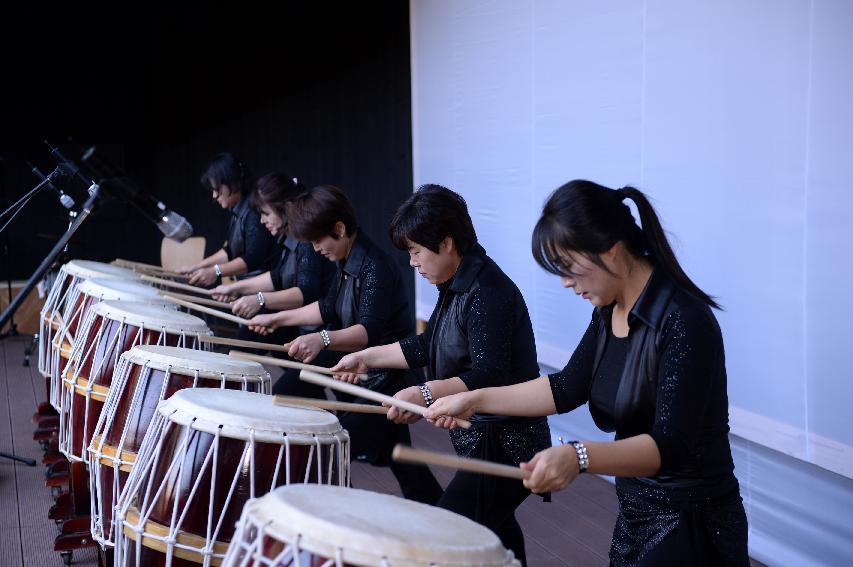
{"x":145,"y":376}
{"x":65,"y":287}
{"x":88,"y":294}
{"x":206,"y":453}
{"x":330,"y":526}
{"x":109,"y":329}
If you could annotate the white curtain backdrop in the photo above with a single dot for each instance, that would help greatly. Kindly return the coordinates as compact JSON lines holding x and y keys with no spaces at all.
{"x":735,"y":116}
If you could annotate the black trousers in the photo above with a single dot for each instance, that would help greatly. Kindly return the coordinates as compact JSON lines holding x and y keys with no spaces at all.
{"x":372,"y":438}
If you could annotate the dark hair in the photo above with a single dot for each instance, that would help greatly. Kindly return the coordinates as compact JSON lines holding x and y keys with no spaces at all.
{"x":226,"y":169}
{"x":429,"y":216}
{"x":312,"y":214}
{"x":588,"y":218}
{"x":275,"y":190}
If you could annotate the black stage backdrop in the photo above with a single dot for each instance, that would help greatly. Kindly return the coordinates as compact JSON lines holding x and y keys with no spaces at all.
{"x":320,"y":90}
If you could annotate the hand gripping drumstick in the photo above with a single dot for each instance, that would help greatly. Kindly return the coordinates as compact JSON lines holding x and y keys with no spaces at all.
{"x":176,"y":285}
{"x":287,"y":363}
{"x":198,"y":300}
{"x":330,"y":405}
{"x":208,"y":310}
{"x":405,"y":454}
{"x":367,"y":394}
{"x":245,"y":344}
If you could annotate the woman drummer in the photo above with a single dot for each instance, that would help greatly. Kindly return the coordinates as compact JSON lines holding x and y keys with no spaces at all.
{"x":249,"y":246}
{"x":652,"y":368}
{"x":299,"y":277}
{"x":479,"y":335}
{"x":366,"y":305}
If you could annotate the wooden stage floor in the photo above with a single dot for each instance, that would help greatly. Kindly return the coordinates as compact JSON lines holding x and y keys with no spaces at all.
{"x":573,"y":530}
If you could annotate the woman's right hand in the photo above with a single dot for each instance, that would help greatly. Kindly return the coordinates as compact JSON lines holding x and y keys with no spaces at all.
{"x":349,"y":367}
{"x":223,"y":292}
{"x":443,"y":410}
{"x":186,"y":269}
{"x":263,"y":324}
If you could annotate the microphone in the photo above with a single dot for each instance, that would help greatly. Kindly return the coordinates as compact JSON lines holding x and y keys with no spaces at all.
{"x":65,"y":199}
{"x":71,"y":169}
{"x":114,"y":181}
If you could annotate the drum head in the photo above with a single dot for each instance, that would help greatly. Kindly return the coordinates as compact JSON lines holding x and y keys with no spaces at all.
{"x":122,"y":290}
{"x":369,"y":527}
{"x":189,"y":361}
{"x":152,"y":317}
{"x":86,"y":269}
{"x":241,"y":415}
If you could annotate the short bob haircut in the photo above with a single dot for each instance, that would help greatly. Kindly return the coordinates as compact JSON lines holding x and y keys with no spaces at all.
{"x":429,"y":216}
{"x":274,"y":190}
{"x":226,"y":169}
{"x":314,"y":213}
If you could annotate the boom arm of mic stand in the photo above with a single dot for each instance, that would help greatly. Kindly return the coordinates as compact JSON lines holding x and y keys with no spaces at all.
{"x":23,"y":200}
{"x":84,"y":213}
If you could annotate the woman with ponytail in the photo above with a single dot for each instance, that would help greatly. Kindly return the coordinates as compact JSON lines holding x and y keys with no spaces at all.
{"x":300,"y":275}
{"x":651,"y":366}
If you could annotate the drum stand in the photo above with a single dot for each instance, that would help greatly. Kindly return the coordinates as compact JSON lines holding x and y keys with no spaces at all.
{"x":74,"y":509}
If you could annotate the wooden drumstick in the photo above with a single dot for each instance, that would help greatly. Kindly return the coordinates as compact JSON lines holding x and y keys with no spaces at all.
{"x":245,"y":344}
{"x":367,"y":394}
{"x":176,"y":285}
{"x":208,"y":310}
{"x":169,"y":274}
{"x":330,"y":405}
{"x":142,"y":267}
{"x":405,"y":454}
{"x":287,"y":363}
{"x":134,"y":264}
{"x":198,"y":300}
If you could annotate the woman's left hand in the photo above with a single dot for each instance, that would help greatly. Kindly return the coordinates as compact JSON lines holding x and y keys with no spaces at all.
{"x":204,"y":277}
{"x":552,"y":469}
{"x":306,"y":347}
{"x":413,"y":395}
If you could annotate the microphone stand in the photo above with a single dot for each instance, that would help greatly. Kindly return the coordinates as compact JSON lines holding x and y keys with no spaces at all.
{"x":85,"y":212}
{"x":13,"y":328}
{"x":19,"y":205}
{"x":13,"y":211}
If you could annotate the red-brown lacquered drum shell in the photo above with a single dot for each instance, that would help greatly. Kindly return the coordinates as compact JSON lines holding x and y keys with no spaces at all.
{"x":229,"y":458}
{"x":106,"y":472}
{"x":104,"y":360}
{"x":77,"y":311}
{"x":208,"y":451}
{"x":271,"y":548}
{"x":139,"y":417}
{"x":153,"y":558}
{"x":145,"y":384}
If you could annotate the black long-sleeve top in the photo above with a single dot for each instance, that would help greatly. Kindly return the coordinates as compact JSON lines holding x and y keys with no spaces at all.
{"x":368,"y":290}
{"x":301,"y":267}
{"x":480,"y":331}
{"x":249,"y":239}
{"x":672,"y":384}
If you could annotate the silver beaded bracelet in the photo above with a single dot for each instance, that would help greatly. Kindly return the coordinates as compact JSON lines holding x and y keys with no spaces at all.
{"x":427,"y":394}
{"x":583,"y":458}
{"x":324,"y":334}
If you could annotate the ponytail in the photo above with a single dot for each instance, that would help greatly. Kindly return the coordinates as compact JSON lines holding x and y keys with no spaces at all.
{"x":588,"y":218}
{"x":658,"y":245}
{"x":275,"y":190}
